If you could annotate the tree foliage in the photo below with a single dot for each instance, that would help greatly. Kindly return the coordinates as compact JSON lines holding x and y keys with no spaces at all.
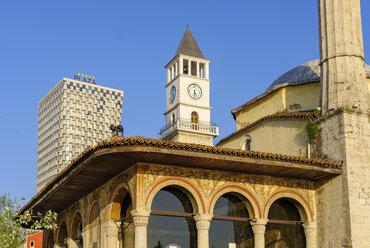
{"x":12,"y":234}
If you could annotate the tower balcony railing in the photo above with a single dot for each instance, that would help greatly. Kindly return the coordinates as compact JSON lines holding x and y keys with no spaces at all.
{"x":187,"y":125}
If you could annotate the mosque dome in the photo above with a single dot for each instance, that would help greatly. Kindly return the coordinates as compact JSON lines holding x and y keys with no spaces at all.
{"x":308,"y":72}
{"x":305,"y":73}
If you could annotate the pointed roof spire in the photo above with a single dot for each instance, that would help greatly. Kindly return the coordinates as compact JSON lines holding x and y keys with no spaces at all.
{"x":188,"y":45}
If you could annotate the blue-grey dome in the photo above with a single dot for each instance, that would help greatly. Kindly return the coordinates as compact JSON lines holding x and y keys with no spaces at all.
{"x":305,"y":73}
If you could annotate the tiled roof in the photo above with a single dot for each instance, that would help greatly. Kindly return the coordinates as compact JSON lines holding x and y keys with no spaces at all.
{"x":293,"y":115}
{"x":188,"y":46}
{"x":143,"y":141}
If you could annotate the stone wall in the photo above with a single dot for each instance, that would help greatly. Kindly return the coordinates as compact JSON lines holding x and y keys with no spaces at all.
{"x":343,"y":204}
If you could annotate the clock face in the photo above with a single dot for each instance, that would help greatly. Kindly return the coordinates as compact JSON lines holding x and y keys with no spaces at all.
{"x":172,"y":94}
{"x":195,"y":91}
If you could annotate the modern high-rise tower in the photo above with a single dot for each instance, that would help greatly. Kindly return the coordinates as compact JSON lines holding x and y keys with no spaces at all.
{"x":188,"y":114}
{"x":71,"y":117}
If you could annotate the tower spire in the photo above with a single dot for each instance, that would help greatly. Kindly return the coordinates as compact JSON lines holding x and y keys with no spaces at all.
{"x":188,"y":45}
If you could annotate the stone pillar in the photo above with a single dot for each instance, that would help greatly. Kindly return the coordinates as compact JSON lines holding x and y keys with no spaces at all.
{"x":141,"y":219}
{"x":189,"y":67}
{"x":176,"y":71}
{"x":258,"y":228}
{"x":310,"y":233}
{"x":111,"y":234}
{"x":203,"y":222}
{"x":71,"y":243}
{"x":206,"y":70}
{"x":197,"y":69}
{"x":181,"y":67}
{"x":168,"y":75}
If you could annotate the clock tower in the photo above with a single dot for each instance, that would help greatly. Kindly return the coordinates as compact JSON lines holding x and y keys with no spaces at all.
{"x":188,"y":114}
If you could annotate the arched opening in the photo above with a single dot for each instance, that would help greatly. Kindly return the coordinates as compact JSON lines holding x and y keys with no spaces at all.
{"x":171,"y":222}
{"x":94,"y":226}
{"x":230,"y":225}
{"x":62,"y":235}
{"x":284,"y":228}
{"x":127,"y":226}
{"x":246,"y":143}
{"x":173,"y":118}
{"x":76,"y":231}
{"x":194,"y":120}
{"x":50,"y":240}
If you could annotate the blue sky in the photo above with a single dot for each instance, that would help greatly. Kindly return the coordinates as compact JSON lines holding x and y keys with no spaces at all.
{"x":126,"y":44}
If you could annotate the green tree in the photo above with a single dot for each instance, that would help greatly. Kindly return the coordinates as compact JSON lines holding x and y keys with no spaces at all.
{"x":12,"y":234}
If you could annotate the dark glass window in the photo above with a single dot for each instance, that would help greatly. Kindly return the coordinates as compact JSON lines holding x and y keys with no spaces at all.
{"x":230,"y":225}
{"x":127,"y":226}
{"x":62,"y":235}
{"x":171,"y":220}
{"x":284,"y":228}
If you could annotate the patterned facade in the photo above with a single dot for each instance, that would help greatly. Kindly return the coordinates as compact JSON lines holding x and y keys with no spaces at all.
{"x":71,"y":117}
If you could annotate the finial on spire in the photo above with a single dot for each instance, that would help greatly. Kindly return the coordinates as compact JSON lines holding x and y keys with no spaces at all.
{"x":187,"y":25}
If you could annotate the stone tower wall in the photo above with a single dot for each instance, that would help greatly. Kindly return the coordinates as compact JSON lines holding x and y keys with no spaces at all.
{"x":343,"y":204}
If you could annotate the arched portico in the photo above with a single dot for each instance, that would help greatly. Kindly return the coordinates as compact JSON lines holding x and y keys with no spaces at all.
{"x":50,"y":239}
{"x":76,"y":233}
{"x":62,"y":234}
{"x":251,"y":200}
{"x":94,"y":228}
{"x":188,"y":188}
{"x":290,"y":215}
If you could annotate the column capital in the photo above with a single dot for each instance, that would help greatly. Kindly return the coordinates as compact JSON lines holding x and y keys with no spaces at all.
{"x":140,"y":217}
{"x":111,"y":228}
{"x":203,"y":221}
{"x":309,"y":230}
{"x":258,"y":225}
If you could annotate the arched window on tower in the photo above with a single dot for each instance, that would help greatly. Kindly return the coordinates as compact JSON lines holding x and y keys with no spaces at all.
{"x":246,"y":143}
{"x":173,"y":118}
{"x":194,"y":120}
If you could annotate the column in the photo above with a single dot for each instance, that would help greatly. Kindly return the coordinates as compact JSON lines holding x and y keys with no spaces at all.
{"x":258,"y":228}
{"x":141,"y":218}
{"x":197,"y":69}
{"x":176,"y":71}
{"x":71,"y":243}
{"x":181,"y":67}
{"x":203,"y":222}
{"x":206,"y":70}
{"x":343,"y":84}
{"x":168,"y":75}
{"x":310,"y":233}
{"x":189,"y":67}
{"x":111,"y":233}
{"x":172,"y":71}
